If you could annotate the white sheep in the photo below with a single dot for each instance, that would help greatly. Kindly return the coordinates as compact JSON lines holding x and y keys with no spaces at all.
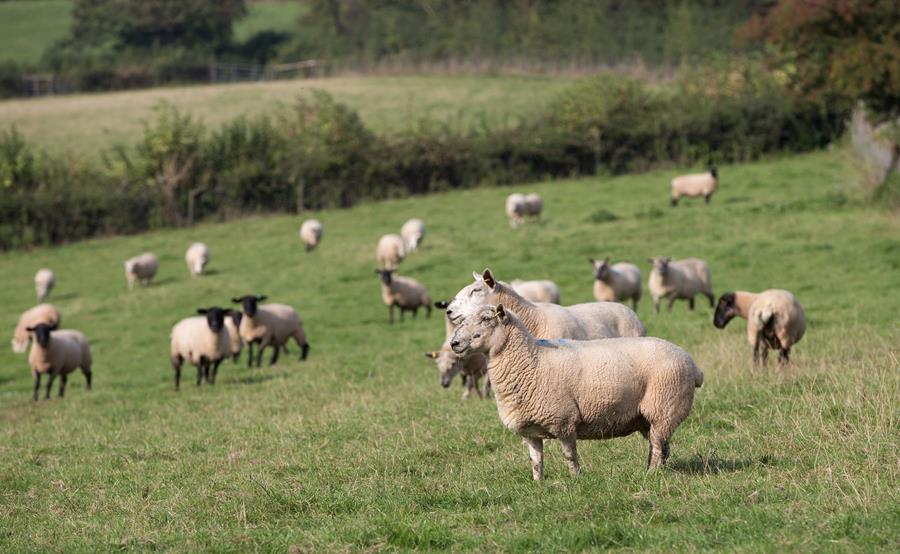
{"x":570,"y":390}
{"x":402,"y":292}
{"x":698,"y":184}
{"x":42,"y":313}
{"x":616,"y":283}
{"x":534,"y":205}
{"x":593,"y":320}
{"x":197,"y":256}
{"x":44,"y":280}
{"x":311,"y":233}
{"x":391,"y":251}
{"x":516,"y":209}
{"x":681,"y":279}
{"x":413,"y":231}
{"x":233,"y":324}
{"x":141,"y":269}
{"x":269,"y":325}
{"x":774,"y":320}
{"x":537,"y":291}
{"x":58,"y":353}
{"x":201,"y":341}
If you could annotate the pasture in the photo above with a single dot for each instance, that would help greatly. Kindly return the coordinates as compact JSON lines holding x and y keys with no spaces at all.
{"x":359,"y":448}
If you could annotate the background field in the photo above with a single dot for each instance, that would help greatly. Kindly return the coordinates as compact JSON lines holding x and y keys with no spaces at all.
{"x":360,"y":448}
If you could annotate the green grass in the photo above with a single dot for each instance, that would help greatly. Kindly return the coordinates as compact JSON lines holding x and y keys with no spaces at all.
{"x":359,"y":448}
{"x":265,"y":15}
{"x":28,"y":27}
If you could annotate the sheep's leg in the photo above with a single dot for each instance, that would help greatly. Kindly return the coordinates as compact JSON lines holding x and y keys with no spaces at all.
{"x":200,"y":373}
{"x":259,"y":353}
{"x":784,"y":357}
{"x":671,"y":303}
{"x":756,"y":346}
{"x":415,"y":312}
{"x":707,"y":197}
{"x":215,"y":372}
{"x":401,"y":313}
{"x":88,"y":377}
{"x":391,"y":314}
{"x":712,"y":301}
{"x":691,"y":303}
{"x":764,"y":354}
{"x":570,"y":453}
{"x":274,"y":359}
{"x":475,"y":387}
{"x":487,"y":386}
{"x":62,"y":385}
{"x":37,"y":384}
{"x":176,"y":365}
{"x":467,"y":387}
{"x":659,"y":448}
{"x":428,"y":310}
{"x":536,"y":453}
{"x":656,"y":304}
{"x":49,"y":384}
{"x":249,"y":354}
{"x":674,"y":202}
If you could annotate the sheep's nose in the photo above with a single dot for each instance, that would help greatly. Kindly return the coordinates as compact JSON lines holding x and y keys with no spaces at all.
{"x":449,"y":312}
{"x":454,"y":344}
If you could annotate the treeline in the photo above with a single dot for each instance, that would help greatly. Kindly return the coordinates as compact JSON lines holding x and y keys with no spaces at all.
{"x":318,"y":154}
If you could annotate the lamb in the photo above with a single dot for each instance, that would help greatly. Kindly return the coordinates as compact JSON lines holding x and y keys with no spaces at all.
{"x":269,"y":325}
{"x":516,"y":209}
{"x":616,"y":283}
{"x":534,"y":205}
{"x":44,"y":280}
{"x":390,"y":252}
{"x":141,"y":269}
{"x":570,"y":390}
{"x":774,"y":320}
{"x":311,"y":233}
{"x":537,"y":291}
{"x":594,"y":320}
{"x":42,"y":313}
{"x":681,"y":279}
{"x":413,"y":231}
{"x":58,"y":353}
{"x":233,"y":324}
{"x":698,"y":184}
{"x":197,"y":256}
{"x":402,"y":292}
{"x":201,"y":341}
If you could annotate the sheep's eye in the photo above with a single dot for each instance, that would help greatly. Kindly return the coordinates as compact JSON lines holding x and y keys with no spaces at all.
{"x":474,"y":291}
{"x":476,"y":335}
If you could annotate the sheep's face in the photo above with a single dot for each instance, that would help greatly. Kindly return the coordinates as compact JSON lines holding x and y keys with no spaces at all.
{"x":41,"y":333}
{"x":215,"y":318}
{"x":129,"y":266}
{"x":477,"y":332}
{"x":448,"y":364}
{"x":601,"y":269}
{"x":713,"y":172}
{"x":481,"y":293}
{"x":661,"y":264}
{"x":250,"y":303}
{"x":386,"y":275}
{"x":236,"y":317}
{"x":198,"y":266}
{"x":725,"y":311}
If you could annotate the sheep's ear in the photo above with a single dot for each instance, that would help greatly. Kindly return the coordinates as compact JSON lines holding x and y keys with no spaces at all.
{"x":202,"y":311}
{"x":236,"y":300}
{"x":261,"y":297}
{"x":591,"y":260}
{"x":476,"y":276}
{"x":30,"y":329}
{"x":55,"y":326}
{"x":441,"y":304}
{"x":489,"y":278}
{"x":500,"y":312}
{"x":432,"y":355}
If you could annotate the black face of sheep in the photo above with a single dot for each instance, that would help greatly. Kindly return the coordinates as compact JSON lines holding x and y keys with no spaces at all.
{"x":601,"y":269}
{"x":215,"y":317}
{"x":661,"y":264}
{"x":42,"y":333}
{"x":725,"y":311}
{"x":249,"y":303}
{"x":385,"y":275}
{"x":714,"y":172}
{"x":236,"y":317}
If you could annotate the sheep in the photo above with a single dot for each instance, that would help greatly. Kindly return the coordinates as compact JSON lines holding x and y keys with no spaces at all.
{"x":616,"y":283}
{"x":774,"y":320}
{"x":44,"y":280}
{"x":141,"y":268}
{"x":403,"y":292}
{"x":570,"y":390}
{"x":58,"y":353}
{"x":233,"y":324}
{"x":681,"y":279}
{"x":197,"y":256}
{"x":537,"y":291}
{"x":311,"y":233}
{"x":201,"y":341}
{"x":269,"y":325}
{"x":594,"y":320}
{"x":42,"y":313}
{"x":413,"y":231}
{"x":390,"y":252}
{"x":471,"y":367}
{"x":534,"y":205}
{"x":516,"y":209}
{"x":698,"y":184}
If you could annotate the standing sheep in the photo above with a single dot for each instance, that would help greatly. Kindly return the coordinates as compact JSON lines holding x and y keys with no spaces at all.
{"x":311,"y":233}
{"x":269,"y":325}
{"x":516,"y":209}
{"x":141,"y":269}
{"x":58,"y":353}
{"x":197,"y":256}
{"x":692,"y":186}
{"x":390,"y":252}
{"x":413,"y":231}
{"x":44,"y":280}
{"x":201,"y":341}
{"x":616,"y":283}
{"x":534,"y":205}
{"x":32,"y":317}
{"x":681,"y":279}
{"x":774,"y":320}
{"x":537,"y":291}
{"x":570,"y":390}
{"x":403,"y":292}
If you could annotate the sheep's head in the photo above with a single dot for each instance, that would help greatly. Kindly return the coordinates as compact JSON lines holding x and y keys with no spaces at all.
{"x":386,"y":275}
{"x":215,"y":317}
{"x":467,"y":301}
{"x":236,"y":317}
{"x":725,"y":310}
{"x":129,"y":266}
{"x":713,"y":171}
{"x":661,"y":264}
{"x":41,"y":333}
{"x":250,"y":303}
{"x":601,"y":268}
{"x":476,"y":333}
{"x":448,"y":364}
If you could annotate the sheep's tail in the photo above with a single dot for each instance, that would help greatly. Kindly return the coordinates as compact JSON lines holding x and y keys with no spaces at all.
{"x":698,"y":377}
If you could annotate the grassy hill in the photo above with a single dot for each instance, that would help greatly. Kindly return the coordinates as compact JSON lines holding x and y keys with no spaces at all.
{"x":359,"y":448}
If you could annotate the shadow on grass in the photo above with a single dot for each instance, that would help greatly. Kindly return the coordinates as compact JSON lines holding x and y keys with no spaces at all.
{"x":252,"y":379}
{"x":705,"y":465}
{"x":65,"y":296}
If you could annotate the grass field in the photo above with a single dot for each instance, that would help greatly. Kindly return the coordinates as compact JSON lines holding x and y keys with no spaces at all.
{"x":359,"y":448}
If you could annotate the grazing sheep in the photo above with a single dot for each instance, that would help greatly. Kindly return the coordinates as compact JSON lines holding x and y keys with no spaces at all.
{"x":413,"y":231}
{"x":774,"y":320}
{"x":471,"y":366}
{"x":390,"y":252}
{"x":616,"y":283}
{"x":269,"y":325}
{"x":403,"y":292}
{"x":141,"y":268}
{"x":44,"y":280}
{"x":570,"y":390}
{"x":32,"y":317}
{"x":594,"y":320}
{"x":233,"y":324}
{"x":311,"y":233}
{"x":537,"y":291}
{"x":534,"y":205}
{"x":681,"y":279}
{"x":201,"y":341}
{"x":58,"y":353}
{"x":197,"y":256}
{"x":516,"y":209}
{"x":698,"y":184}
